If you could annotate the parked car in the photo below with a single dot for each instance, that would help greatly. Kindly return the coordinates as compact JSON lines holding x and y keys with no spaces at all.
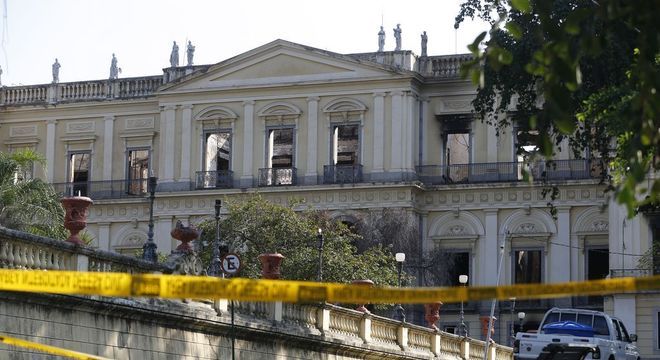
{"x":586,"y":334}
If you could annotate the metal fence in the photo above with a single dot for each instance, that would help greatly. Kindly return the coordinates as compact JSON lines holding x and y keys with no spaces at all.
{"x":277,"y":176}
{"x":342,"y":174}
{"x":214,"y":179}
{"x":111,"y":189}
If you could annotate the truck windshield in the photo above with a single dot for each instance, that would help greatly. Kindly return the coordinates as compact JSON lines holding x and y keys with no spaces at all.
{"x":600,"y":326}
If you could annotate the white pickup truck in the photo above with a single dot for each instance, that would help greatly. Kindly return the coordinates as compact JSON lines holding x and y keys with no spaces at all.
{"x":584,"y":334}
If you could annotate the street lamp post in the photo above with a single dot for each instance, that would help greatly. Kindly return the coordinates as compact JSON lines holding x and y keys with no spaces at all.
{"x":399,"y":313}
{"x":149,"y":248}
{"x":319,"y":236}
{"x":214,"y":267}
{"x":521,"y":317}
{"x":463,"y":331}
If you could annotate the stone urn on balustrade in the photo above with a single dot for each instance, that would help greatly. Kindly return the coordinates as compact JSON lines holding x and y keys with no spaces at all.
{"x":270,"y":265}
{"x":432,"y":314}
{"x":75,"y":217}
{"x":185,"y":234}
{"x":366,"y":283}
{"x":485,"y":320}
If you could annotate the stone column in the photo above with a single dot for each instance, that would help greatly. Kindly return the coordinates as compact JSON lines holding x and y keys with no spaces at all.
{"x":560,"y":253}
{"x":186,"y":143}
{"x":396,"y":157}
{"x":167,"y":135}
{"x":311,"y":174}
{"x":104,"y":236}
{"x":409,"y":131}
{"x":489,"y":251}
{"x":50,"y":150}
{"x":379,"y":132}
{"x":108,"y":139}
{"x":248,"y":144}
{"x":491,"y":144}
{"x":422,"y":130}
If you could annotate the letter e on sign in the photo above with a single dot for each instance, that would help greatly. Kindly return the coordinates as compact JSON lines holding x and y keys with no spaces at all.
{"x":231,"y":264}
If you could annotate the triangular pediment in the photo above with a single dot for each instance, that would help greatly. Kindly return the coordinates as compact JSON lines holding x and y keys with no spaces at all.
{"x":277,"y":63}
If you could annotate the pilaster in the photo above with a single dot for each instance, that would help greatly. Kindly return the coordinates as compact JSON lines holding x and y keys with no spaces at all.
{"x":560,"y":252}
{"x":50,"y":150}
{"x":379,"y":132}
{"x":311,"y":174}
{"x":186,"y":142}
{"x":488,"y":251}
{"x":491,"y":144}
{"x":396,"y":155}
{"x":248,"y":144}
{"x":104,"y":236}
{"x":168,"y":120}
{"x":162,"y":237}
{"x":108,"y":140}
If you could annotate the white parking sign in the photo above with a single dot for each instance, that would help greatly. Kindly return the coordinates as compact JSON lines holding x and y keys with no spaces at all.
{"x":231,"y":264}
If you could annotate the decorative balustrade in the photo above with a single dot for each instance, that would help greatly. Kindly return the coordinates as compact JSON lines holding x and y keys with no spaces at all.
{"x":617,"y":273}
{"x":344,"y":325}
{"x":93,"y":90}
{"x":508,"y":171}
{"x":446,"y":66}
{"x":110,"y":189}
{"x":20,"y":95}
{"x":20,"y":250}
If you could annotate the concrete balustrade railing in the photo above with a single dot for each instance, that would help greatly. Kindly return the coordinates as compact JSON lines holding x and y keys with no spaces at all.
{"x":350,"y":326}
{"x":93,"y":90}
{"x":19,"y":250}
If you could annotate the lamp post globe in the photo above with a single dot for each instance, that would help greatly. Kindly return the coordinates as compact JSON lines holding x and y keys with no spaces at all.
{"x":463,"y":331}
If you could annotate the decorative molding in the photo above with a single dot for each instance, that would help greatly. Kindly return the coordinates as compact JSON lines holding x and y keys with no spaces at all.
{"x":20,"y":131}
{"x":80,"y":127}
{"x":139,"y":123}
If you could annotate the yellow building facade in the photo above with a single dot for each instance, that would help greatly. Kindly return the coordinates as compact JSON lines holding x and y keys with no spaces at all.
{"x":343,"y":132}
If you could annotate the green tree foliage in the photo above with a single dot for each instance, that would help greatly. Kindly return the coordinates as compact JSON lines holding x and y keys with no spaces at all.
{"x":257,"y":226}
{"x":28,"y":204}
{"x":586,"y":70}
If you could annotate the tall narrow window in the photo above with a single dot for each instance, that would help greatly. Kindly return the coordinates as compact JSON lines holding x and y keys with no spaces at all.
{"x":138,"y":171}
{"x":217,"y":160}
{"x":217,"y":151}
{"x":281,"y":148}
{"x":528,"y":266}
{"x":346,"y":143}
{"x":525,"y":152}
{"x":459,"y":265}
{"x":79,"y":172}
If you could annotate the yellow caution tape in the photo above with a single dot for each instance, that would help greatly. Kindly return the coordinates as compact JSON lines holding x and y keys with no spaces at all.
{"x":206,"y":287}
{"x":48,"y":349}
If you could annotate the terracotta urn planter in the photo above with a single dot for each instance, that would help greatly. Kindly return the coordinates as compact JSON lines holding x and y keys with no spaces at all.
{"x":185,"y":234}
{"x":75,"y":218}
{"x":484,"y":326}
{"x":270,"y":265}
{"x":432,"y":314}
{"x":366,"y":283}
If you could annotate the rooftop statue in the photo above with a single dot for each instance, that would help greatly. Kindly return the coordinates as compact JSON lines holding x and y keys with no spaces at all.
{"x":397,"y":37}
{"x":425,"y":40}
{"x":174,"y":56}
{"x":381,"y":39}
{"x":114,"y":70}
{"x":56,"y":71}
{"x":0,"y":76}
{"x":190,"y":52}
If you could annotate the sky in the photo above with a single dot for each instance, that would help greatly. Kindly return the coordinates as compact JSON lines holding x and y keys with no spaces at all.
{"x":83,"y":34}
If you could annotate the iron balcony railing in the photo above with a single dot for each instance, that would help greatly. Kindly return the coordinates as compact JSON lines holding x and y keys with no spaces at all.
{"x":214,"y":179}
{"x":617,"y":273}
{"x":111,"y":189}
{"x":277,"y":176}
{"x":342,"y":174}
{"x":509,"y":171}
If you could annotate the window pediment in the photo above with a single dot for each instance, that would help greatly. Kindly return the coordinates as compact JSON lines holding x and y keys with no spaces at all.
{"x":280,"y":113}
{"x":345,"y":110}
